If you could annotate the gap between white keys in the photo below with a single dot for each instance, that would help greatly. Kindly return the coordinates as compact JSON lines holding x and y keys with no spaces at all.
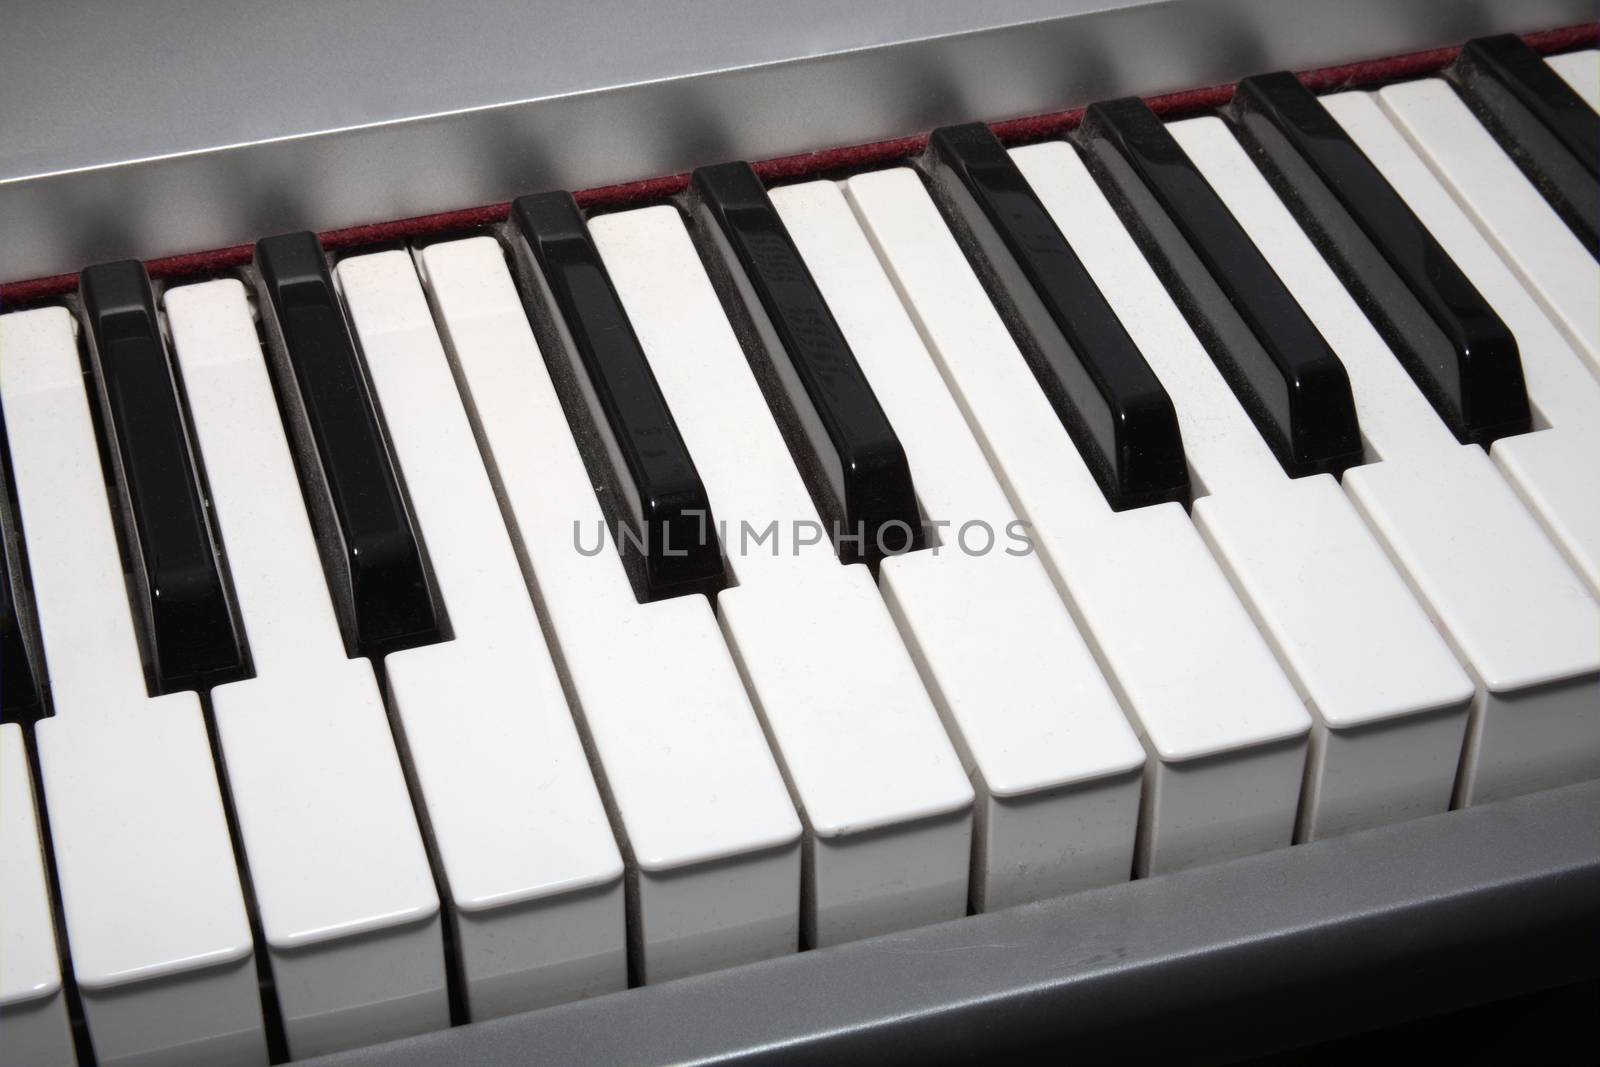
{"x":876,"y":781}
{"x":161,"y":944}
{"x":533,"y":872}
{"x":1389,"y":697}
{"x":1532,"y":638}
{"x":347,"y":902}
{"x":707,"y":821}
{"x":1223,"y":726}
{"x":1053,"y":759}
{"x":33,"y":1001}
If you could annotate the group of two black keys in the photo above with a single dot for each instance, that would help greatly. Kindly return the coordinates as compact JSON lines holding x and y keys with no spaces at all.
{"x":185,"y":611}
{"x":1112,"y":404}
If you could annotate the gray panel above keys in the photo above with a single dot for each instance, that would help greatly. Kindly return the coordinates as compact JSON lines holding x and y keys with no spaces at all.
{"x":1237,"y":959}
{"x":165,"y":127}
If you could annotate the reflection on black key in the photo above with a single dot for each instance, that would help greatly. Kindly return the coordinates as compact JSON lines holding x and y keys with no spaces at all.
{"x":19,"y":689}
{"x":19,"y":695}
{"x":1106,"y":395}
{"x":1281,"y":369}
{"x":837,"y":432}
{"x":1445,"y":333}
{"x":1541,"y":123}
{"x":614,"y":404}
{"x":380,"y":585}
{"x":181,"y":595}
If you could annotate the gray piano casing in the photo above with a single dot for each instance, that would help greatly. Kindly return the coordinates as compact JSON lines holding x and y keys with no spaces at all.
{"x":171,"y":126}
{"x":1237,"y":959}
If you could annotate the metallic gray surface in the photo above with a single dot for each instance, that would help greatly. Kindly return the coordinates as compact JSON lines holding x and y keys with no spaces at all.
{"x":150,"y":129}
{"x":1241,"y":958}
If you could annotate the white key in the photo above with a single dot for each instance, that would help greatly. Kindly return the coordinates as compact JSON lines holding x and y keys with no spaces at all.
{"x":347,"y":901}
{"x":1054,"y":762}
{"x":161,"y":945}
{"x":1553,"y":469}
{"x":1561,"y":486}
{"x":1581,"y":70}
{"x":1521,"y":621}
{"x":880,"y":789}
{"x":1224,"y":727}
{"x":1389,"y":698}
{"x":533,"y":871}
{"x":709,"y":825}
{"x":34,"y":1030}
{"x":1513,"y":215}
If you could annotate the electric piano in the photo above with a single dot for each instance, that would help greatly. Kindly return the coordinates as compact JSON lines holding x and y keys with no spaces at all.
{"x":715,"y":532}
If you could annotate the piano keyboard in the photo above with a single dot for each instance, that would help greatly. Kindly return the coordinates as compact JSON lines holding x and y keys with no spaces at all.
{"x":431,"y":633}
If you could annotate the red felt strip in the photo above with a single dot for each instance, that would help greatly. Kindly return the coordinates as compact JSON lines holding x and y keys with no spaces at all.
{"x":786,"y":168}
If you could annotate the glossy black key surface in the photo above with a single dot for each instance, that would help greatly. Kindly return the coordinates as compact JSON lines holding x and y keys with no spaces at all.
{"x":840,"y":437}
{"x":1539,"y":120}
{"x":380,"y":584}
{"x":1104,"y":392}
{"x":19,"y":693}
{"x":181,"y":596}
{"x":1281,"y":369}
{"x":19,"y":687}
{"x":1462,"y":357}
{"x":614,"y":403}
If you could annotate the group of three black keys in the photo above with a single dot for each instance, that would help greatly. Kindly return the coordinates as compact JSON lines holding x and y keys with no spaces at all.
{"x":1458,"y":351}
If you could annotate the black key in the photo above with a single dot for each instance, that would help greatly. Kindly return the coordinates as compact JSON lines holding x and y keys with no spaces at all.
{"x":1541,"y":123}
{"x":182,"y":598}
{"x":1280,"y":368}
{"x":1461,"y":355}
{"x":614,"y":404}
{"x":19,"y":694}
{"x":838,"y":434}
{"x":1104,"y":392}
{"x":370,"y":547}
{"x":19,"y":687}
